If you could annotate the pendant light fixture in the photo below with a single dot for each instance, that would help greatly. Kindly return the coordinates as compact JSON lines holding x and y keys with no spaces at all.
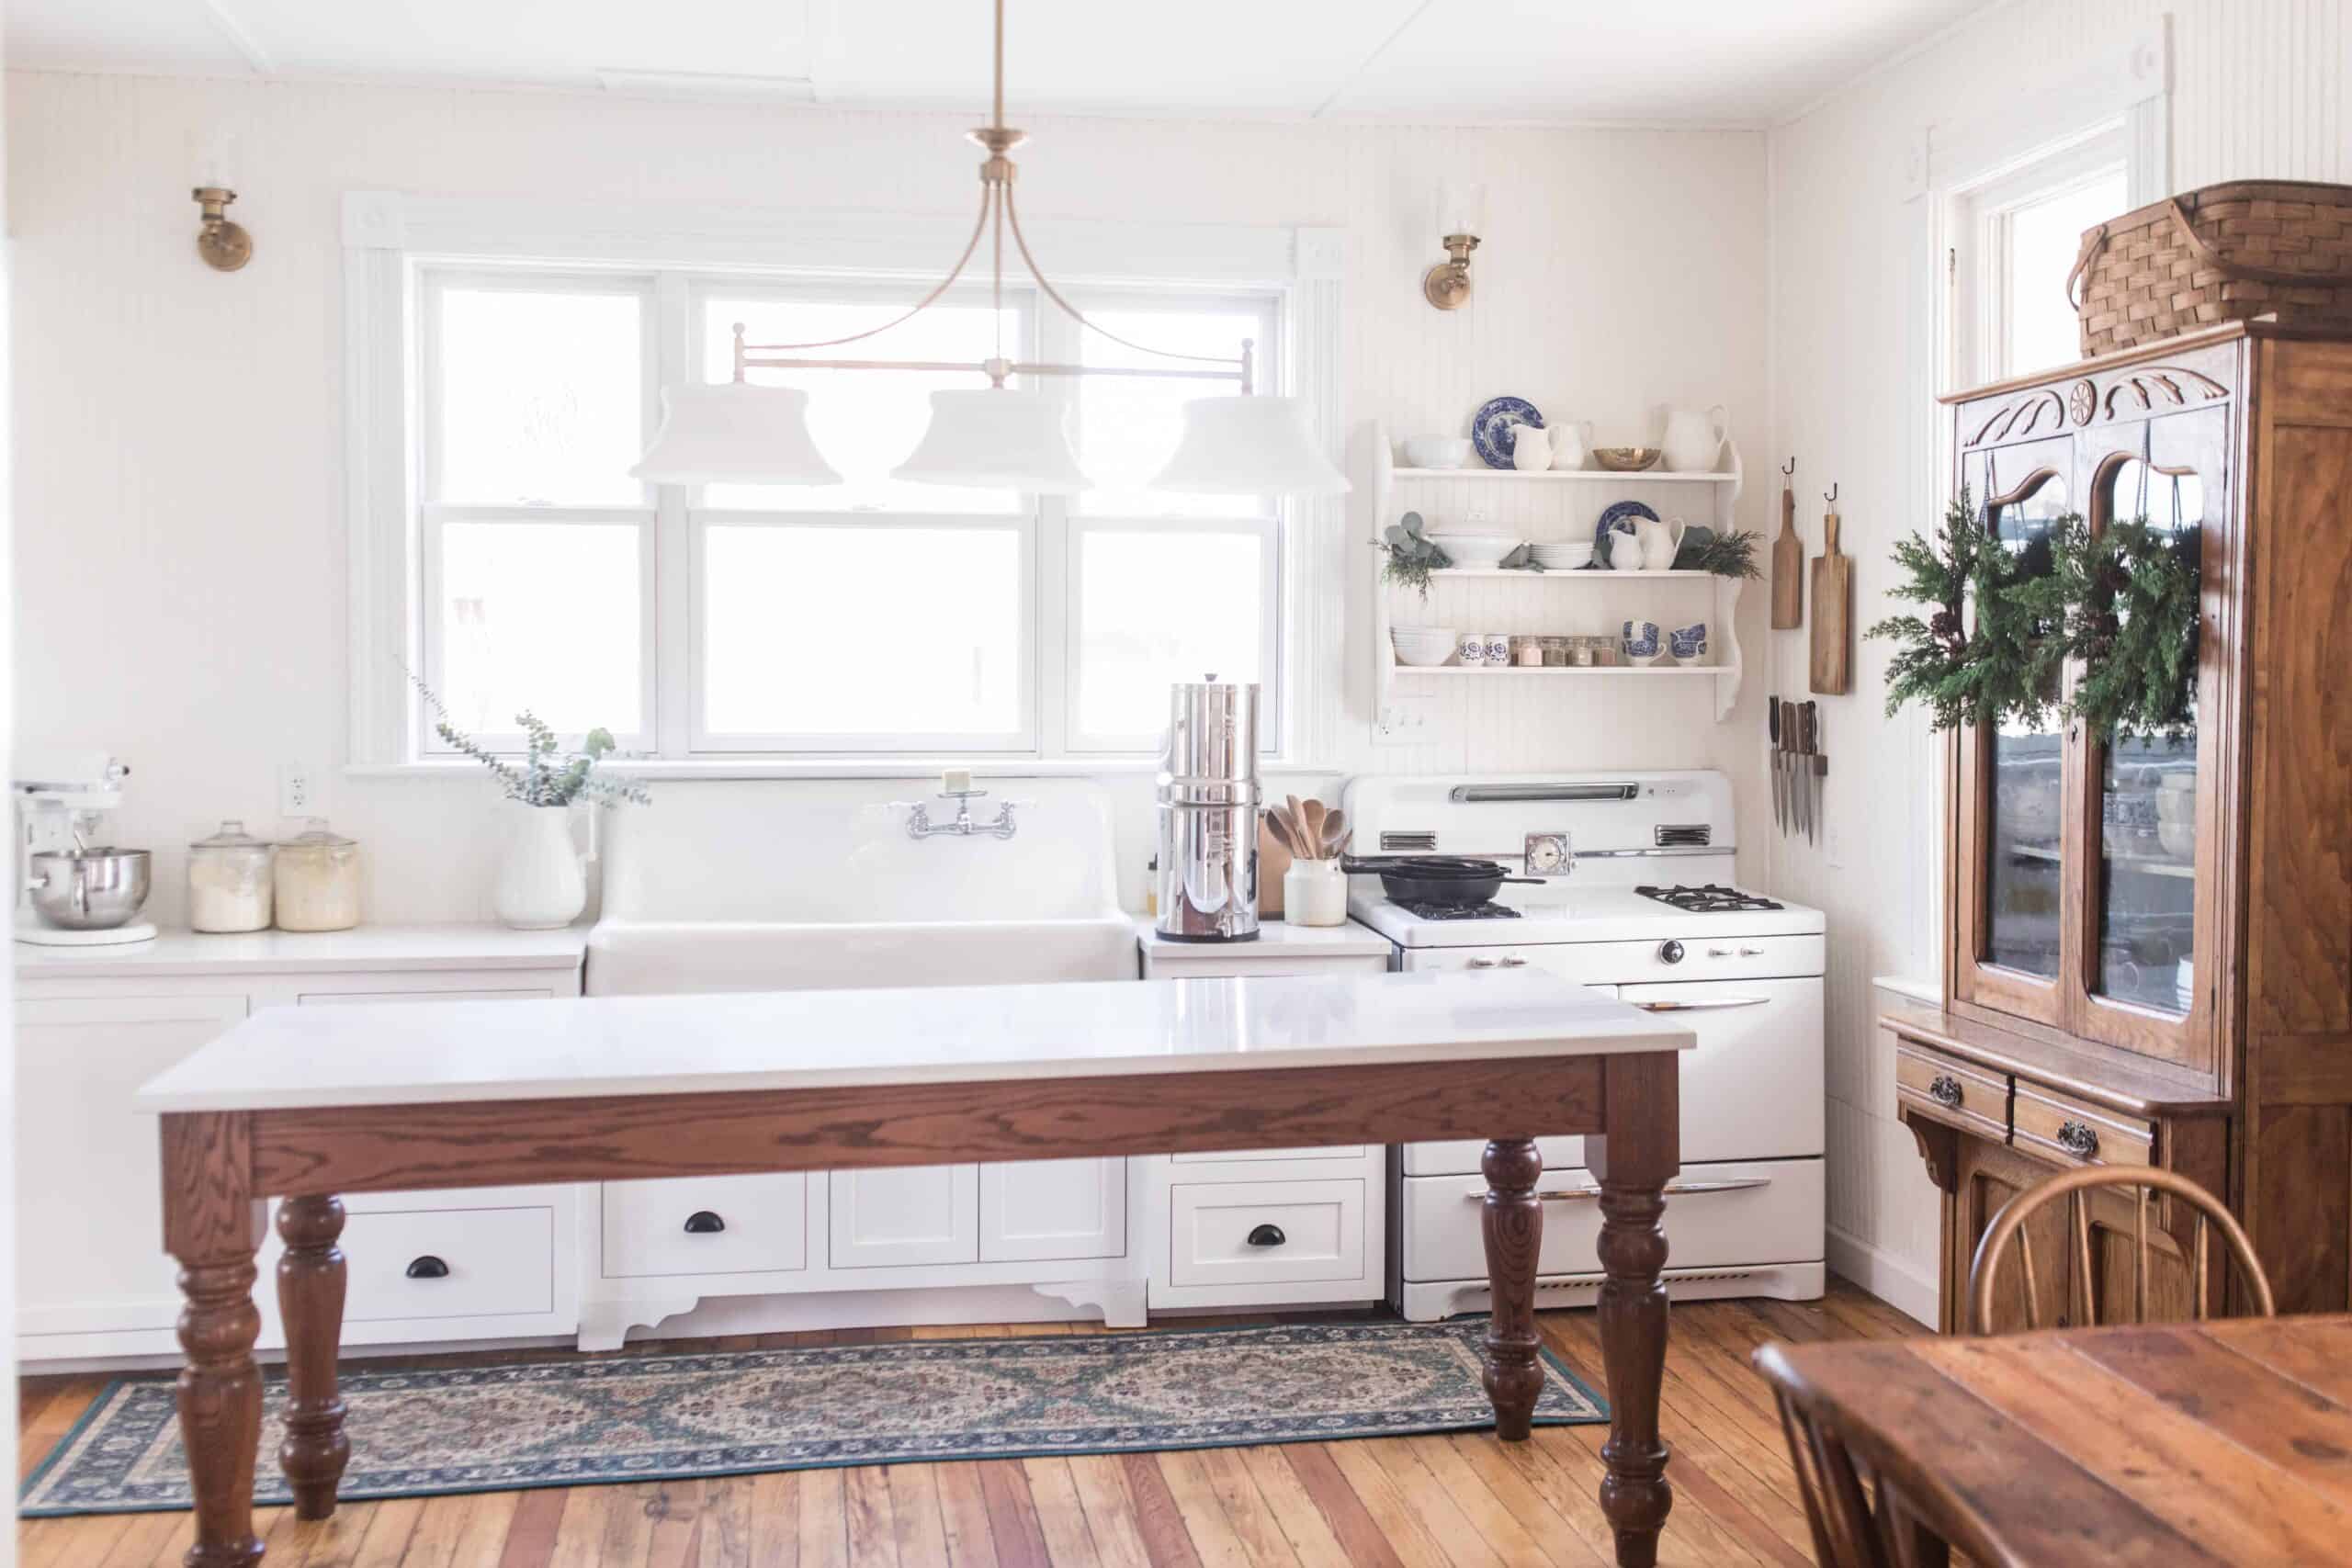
{"x":993,"y":436}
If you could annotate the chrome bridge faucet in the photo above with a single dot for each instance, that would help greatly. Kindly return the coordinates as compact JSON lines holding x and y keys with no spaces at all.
{"x":957,"y":788}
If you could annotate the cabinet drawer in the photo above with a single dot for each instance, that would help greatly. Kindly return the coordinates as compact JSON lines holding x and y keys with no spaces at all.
{"x":706,"y":1225}
{"x":2057,"y":1125}
{"x":1344,"y":1151}
{"x":1307,"y":1230}
{"x":491,"y":1262}
{"x":1945,"y":1088}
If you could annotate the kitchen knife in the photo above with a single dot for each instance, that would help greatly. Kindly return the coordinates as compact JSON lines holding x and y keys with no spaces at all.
{"x":1780,"y":783}
{"x":1817,"y":765}
{"x":1808,"y":723}
{"x":1793,"y":728}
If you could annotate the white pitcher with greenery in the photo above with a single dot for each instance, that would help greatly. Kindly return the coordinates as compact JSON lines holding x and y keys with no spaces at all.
{"x":542,"y":880}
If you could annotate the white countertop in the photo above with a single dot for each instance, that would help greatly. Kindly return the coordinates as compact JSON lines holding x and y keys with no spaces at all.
{"x":379,"y":949}
{"x":1275,"y":939}
{"x":426,"y":1053}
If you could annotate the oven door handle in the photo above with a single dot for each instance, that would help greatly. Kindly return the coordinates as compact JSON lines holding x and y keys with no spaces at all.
{"x":1707,"y":1004}
{"x":1673,"y":1190}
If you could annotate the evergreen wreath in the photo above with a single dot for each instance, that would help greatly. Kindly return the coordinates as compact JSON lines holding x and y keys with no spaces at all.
{"x":2131,"y":619}
{"x":2006,"y":666}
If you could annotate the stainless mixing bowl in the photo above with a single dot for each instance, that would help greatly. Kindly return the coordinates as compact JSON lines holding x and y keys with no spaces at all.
{"x":95,"y":890}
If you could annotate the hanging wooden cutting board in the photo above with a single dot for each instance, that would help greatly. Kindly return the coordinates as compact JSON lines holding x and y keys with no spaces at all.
{"x":1788,"y":567}
{"x":1833,"y":615}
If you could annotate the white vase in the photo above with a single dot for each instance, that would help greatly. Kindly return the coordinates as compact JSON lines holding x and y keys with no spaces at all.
{"x":1315,"y":893}
{"x":542,"y":878}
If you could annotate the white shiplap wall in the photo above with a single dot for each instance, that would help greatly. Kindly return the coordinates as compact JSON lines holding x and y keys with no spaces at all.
{"x":2259,"y":90}
{"x":178,"y":431}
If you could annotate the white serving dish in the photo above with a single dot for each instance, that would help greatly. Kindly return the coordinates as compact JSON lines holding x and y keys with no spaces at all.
{"x":1436,"y":451}
{"x":1476,"y":552}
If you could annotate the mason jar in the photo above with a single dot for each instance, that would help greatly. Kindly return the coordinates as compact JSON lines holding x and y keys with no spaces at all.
{"x":228,"y":881}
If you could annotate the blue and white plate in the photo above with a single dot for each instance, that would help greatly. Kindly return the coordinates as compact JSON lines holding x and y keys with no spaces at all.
{"x":1620,"y":511}
{"x":1489,"y":426}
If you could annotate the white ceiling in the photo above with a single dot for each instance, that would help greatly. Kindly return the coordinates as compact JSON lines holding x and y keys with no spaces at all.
{"x":1685,"y":61}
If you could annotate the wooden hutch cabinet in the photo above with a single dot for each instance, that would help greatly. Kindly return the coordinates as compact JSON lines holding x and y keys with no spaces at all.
{"x":2150,"y":943}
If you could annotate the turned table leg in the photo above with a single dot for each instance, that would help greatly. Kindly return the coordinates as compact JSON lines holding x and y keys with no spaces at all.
{"x":212,"y":1226}
{"x":1512,"y":1224}
{"x":1634,"y":1160}
{"x":310,"y":1297}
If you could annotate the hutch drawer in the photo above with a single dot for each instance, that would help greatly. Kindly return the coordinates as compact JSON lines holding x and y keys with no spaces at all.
{"x":1945,"y":1088}
{"x":2056,"y":1125}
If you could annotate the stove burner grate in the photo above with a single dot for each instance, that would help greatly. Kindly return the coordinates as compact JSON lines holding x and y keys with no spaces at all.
{"x":1708,"y":899}
{"x":1433,"y":909}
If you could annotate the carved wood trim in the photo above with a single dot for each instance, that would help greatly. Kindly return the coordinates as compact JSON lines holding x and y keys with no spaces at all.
{"x":1938,"y":1147}
{"x":2048,"y":410}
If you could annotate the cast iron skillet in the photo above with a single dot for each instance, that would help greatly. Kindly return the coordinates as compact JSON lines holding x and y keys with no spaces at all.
{"x":1443,"y":879}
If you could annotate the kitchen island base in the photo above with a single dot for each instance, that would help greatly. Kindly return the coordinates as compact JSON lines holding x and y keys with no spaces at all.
{"x":1613,"y":1079}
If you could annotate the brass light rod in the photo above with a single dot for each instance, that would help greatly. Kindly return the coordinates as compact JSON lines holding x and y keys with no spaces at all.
{"x":755,"y":360}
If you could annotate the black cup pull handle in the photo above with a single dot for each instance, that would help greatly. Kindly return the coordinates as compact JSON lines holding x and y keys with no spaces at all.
{"x":427,"y":1267}
{"x":1267,"y":1235}
{"x":702,"y":1221}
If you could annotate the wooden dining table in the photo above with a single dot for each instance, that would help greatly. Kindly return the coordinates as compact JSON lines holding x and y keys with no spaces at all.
{"x":2191,"y":1444}
{"x":305,"y":1104}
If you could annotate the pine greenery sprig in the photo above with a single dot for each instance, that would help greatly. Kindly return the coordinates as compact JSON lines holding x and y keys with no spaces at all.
{"x":2005,"y":665}
{"x":2131,"y":619}
{"x":1731,"y":555}
{"x":545,"y":778}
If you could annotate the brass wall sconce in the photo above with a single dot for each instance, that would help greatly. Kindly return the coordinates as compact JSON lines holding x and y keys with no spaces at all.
{"x":224,"y":245}
{"x":1447,"y":285}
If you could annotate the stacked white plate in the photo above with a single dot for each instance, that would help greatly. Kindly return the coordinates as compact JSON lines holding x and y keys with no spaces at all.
{"x":1562,"y":556}
{"x":1423,"y":646}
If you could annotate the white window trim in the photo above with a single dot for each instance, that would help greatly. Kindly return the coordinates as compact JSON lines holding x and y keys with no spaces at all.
{"x":387,"y":235}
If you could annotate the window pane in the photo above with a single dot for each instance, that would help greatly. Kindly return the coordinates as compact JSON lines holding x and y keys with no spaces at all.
{"x":2045,"y":237}
{"x":864,"y":422}
{"x":545,"y":617}
{"x":1159,"y":607}
{"x":1128,"y":426}
{"x":883,"y":632}
{"x":541,"y":396}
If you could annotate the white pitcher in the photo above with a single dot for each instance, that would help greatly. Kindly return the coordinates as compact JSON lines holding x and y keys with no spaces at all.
{"x":542,"y":876}
{"x":1531,"y":448}
{"x":1694,"y":442}
{"x":1570,"y":441}
{"x":1661,"y":542}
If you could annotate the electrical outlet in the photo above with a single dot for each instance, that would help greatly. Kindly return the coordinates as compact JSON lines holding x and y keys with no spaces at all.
{"x":1833,"y":843}
{"x":1402,"y":723}
{"x":297,"y":796}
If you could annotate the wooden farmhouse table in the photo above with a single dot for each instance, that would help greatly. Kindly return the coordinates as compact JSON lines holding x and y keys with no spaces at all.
{"x":2188,"y":1445}
{"x":302,"y":1104}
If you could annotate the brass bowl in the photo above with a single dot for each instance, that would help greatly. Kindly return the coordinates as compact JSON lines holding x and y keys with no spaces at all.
{"x":1625,"y":459}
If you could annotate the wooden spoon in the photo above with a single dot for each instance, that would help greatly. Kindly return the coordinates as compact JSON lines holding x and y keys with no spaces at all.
{"x":1333,"y":830}
{"x":1315,"y":811}
{"x":1278,"y":824}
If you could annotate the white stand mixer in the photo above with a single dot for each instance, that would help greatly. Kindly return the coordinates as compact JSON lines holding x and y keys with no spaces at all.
{"x":62,"y":802}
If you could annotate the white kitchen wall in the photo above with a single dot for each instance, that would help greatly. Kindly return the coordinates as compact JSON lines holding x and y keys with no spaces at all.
{"x":180,"y":549}
{"x":2259,"y":89}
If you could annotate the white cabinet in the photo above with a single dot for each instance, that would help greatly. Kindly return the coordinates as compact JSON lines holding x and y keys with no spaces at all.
{"x":1053,"y":1208}
{"x":706,"y":1225}
{"x":93,"y":1024}
{"x":905,"y":1214}
{"x":1267,"y":1233}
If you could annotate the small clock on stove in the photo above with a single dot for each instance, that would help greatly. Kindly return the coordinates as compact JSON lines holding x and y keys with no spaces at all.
{"x":1547,"y":855}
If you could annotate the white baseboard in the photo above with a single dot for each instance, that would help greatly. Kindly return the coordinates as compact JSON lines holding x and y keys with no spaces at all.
{"x":1891,"y":1280}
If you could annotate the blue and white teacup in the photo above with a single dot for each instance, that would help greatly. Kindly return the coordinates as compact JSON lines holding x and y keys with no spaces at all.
{"x":1639,"y":639}
{"x":1688,"y":643}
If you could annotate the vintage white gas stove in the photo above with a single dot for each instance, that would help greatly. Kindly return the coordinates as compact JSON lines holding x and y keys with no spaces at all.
{"x":1635,"y":897}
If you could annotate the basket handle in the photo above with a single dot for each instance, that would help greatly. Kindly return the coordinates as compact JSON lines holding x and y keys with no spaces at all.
{"x":2093,"y":242}
{"x":2228,"y":268}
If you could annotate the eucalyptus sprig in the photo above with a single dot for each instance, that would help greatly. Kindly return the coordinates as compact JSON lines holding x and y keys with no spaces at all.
{"x":546,"y":777}
{"x":1412,"y":554}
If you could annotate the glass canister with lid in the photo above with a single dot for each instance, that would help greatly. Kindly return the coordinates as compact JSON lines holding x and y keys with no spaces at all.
{"x":228,"y":881}
{"x":318,"y":880}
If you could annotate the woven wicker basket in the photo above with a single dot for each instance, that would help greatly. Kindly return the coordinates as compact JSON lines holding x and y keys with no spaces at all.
{"x":2279,"y":248}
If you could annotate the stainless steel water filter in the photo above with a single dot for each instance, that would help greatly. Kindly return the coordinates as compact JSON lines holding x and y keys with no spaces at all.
{"x":1208,"y":813}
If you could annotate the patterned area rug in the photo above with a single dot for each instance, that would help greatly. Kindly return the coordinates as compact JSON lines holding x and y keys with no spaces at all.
{"x":650,"y":1417}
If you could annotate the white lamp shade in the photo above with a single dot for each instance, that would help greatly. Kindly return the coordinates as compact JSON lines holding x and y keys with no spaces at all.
{"x":1249,"y":446}
{"x":734,"y":434}
{"x":987,"y":439}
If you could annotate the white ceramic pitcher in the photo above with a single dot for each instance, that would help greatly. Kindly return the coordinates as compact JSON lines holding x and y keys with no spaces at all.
{"x":1571,"y":440}
{"x":1694,"y":442}
{"x":1531,"y":448}
{"x":542,"y":876}
{"x":1661,"y":542}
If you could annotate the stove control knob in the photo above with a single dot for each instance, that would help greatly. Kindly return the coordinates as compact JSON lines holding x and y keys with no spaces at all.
{"x":1669,"y":953}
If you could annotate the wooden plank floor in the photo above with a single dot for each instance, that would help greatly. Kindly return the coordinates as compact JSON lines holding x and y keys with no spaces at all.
{"x":1448,"y":1502}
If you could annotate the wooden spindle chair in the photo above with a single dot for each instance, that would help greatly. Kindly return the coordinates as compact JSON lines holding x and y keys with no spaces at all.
{"x":1850,"y":1530}
{"x":2077,"y":1186}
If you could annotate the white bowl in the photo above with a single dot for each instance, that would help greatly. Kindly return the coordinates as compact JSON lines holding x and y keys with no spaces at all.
{"x":1436,"y":451}
{"x":1423,"y":646}
{"x":1475,"y":550}
{"x":1563,"y":558}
